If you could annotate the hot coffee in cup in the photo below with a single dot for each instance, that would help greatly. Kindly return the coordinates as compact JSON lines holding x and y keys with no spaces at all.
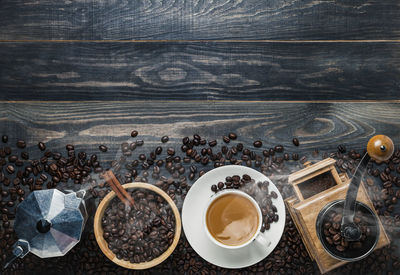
{"x":233,"y":219}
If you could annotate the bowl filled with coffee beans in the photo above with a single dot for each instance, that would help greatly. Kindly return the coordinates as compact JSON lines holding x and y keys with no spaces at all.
{"x":140,"y":236}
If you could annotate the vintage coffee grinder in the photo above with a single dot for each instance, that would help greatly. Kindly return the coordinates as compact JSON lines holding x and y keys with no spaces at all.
{"x":320,"y":190}
{"x":48,"y":223}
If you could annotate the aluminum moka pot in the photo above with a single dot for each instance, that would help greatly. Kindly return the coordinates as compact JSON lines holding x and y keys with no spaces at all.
{"x":48,"y":223}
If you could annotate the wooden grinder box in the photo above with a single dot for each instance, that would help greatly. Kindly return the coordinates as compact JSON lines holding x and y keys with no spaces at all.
{"x":315,"y":186}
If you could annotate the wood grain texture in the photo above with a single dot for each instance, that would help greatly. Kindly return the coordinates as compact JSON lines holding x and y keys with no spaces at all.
{"x":202,"y":71}
{"x":89,"y":124}
{"x":213,"y":19}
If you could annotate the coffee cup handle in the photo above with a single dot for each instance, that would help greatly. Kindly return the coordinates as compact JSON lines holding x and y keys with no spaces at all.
{"x":262,"y":240}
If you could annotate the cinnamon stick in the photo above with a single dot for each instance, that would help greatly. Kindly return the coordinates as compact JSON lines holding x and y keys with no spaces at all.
{"x":116,"y":186}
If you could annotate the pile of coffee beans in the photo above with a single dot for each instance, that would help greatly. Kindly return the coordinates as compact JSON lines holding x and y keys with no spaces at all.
{"x":332,"y":235}
{"x":141,"y":233}
{"x":258,"y":191}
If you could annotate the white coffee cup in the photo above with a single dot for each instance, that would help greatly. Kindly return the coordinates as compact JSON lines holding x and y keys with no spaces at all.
{"x":258,"y":236}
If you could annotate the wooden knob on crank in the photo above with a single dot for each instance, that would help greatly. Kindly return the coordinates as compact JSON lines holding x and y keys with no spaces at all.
{"x":380,"y":147}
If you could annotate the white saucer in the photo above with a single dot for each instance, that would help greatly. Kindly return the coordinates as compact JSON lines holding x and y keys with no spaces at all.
{"x":193,"y":211}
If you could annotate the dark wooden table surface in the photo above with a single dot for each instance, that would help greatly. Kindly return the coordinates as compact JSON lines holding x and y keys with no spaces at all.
{"x":89,"y":72}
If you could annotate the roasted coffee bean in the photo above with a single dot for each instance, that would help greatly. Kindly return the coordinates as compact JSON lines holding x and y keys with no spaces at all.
{"x":232,"y":136}
{"x":139,"y":143}
{"x":336,"y":237}
{"x":303,"y":159}
{"x":171,"y":151}
{"x":212,"y":143}
{"x":387,"y":184}
{"x":295,"y":156}
{"x":142,"y":157}
{"x":214,"y":188}
{"x":41,"y":146}
{"x":24,"y":155}
{"x":384,"y":177}
{"x":286,"y":156}
{"x":134,"y":133}
{"x":185,"y":140}
{"x":226,"y":139}
{"x":10,"y":169}
{"x":205,"y":160}
{"x":21,"y":144}
{"x":12,"y":158}
{"x":279,"y":148}
{"x":69,"y":147}
{"x":7,"y":151}
{"x":296,"y":141}
{"x":340,"y":248}
{"x":103,"y":148}
{"x":271,"y":152}
{"x":257,"y":143}
{"x":164,"y":139}
{"x":341,"y":148}
{"x":158,"y":150}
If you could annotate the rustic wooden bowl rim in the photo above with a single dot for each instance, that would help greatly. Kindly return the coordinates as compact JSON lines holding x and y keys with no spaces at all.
{"x":98,"y":228}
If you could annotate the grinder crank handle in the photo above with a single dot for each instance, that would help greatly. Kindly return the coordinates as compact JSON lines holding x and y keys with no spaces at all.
{"x":347,"y":228}
{"x":380,"y":148}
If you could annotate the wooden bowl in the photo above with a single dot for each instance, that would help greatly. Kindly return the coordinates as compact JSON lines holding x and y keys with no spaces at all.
{"x":98,"y":228}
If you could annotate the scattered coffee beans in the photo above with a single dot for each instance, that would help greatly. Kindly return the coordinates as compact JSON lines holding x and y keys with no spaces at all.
{"x":103,"y":148}
{"x":226,"y":139}
{"x":164,"y":139}
{"x":232,"y":136}
{"x":257,"y":143}
{"x":21,"y":144}
{"x":41,"y":146}
{"x":134,"y":133}
{"x":341,"y":148}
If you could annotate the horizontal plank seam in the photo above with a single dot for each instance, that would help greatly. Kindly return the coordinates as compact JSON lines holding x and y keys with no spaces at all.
{"x":205,"y":41}
{"x":199,"y":101}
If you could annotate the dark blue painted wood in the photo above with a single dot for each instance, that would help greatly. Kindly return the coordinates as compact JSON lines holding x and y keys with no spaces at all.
{"x":199,"y":70}
{"x":185,"y":19}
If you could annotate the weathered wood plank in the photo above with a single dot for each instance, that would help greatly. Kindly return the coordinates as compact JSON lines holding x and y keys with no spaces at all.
{"x":89,"y":124}
{"x":198,"y":70}
{"x":183,"y":19}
